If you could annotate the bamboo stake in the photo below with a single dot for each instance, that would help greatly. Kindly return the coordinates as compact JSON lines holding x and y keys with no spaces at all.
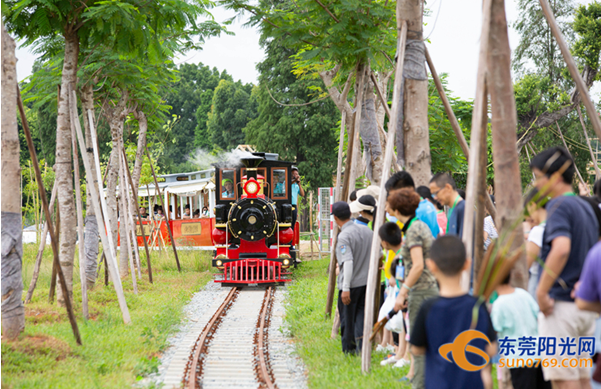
{"x":337,"y":196}
{"x":131,"y":232}
{"x":455,"y":124}
{"x":568,"y":150}
{"x":166,"y":211}
{"x":135,"y":195}
{"x":567,"y":56}
{"x":38,"y":175}
{"x":96,"y":202}
{"x":588,"y":142}
{"x":54,"y":270}
{"x":479,"y":129}
{"x":124,"y":219}
{"x":528,"y":155}
{"x":383,"y":133}
{"x":376,"y":253}
{"x":110,"y":246}
{"x":38,"y":259}
{"x":79,"y":208}
{"x":349,"y":154}
{"x":130,"y":220}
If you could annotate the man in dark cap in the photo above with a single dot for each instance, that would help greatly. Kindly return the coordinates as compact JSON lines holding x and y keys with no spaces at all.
{"x":352,"y":252}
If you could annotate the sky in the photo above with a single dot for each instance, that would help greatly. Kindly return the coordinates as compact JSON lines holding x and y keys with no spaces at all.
{"x":453,"y":28}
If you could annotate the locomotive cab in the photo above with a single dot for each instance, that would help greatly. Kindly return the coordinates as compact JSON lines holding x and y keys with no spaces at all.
{"x":253,"y":235}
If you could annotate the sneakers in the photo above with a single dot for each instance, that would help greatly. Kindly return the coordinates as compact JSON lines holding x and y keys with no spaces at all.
{"x":389,"y":348}
{"x":402,"y":363}
{"x":390,"y":360}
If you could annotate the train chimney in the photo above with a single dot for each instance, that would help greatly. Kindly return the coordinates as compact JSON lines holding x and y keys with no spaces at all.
{"x":251,"y":163}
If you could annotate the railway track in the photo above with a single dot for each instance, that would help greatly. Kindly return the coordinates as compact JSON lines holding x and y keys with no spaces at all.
{"x":232,"y":349}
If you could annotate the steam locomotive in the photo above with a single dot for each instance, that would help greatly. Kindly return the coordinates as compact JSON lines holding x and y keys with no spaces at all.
{"x":253,"y":234}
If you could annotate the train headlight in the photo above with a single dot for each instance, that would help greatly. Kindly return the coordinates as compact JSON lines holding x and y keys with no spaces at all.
{"x":286,"y":262}
{"x":252,"y":187}
{"x":218,"y":263}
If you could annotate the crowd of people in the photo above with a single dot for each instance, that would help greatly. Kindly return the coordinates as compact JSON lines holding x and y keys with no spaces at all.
{"x":426,"y":305}
{"x":159,"y":214}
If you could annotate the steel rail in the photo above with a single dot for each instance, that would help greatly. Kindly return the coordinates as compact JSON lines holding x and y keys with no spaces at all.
{"x":263,"y":369}
{"x":195,"y":365}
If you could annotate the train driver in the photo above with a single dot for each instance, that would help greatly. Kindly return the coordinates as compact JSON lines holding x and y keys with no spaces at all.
{"x":228,"y":188}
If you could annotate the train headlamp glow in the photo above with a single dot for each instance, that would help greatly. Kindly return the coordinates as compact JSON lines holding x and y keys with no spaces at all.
{"x":252,"y":187}
{"x":218,"y":263}
{"x":286,"y":262}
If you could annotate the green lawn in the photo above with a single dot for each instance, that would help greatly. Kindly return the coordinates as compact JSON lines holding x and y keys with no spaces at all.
{"x":113,"y":355}
{"x":327,"y":365}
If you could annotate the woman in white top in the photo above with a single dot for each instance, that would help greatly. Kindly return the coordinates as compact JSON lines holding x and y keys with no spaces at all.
{"x":538,"y":214}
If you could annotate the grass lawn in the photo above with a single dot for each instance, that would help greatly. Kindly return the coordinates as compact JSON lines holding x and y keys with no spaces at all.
{"x":327,"y":365}
{"x":113,"y":355}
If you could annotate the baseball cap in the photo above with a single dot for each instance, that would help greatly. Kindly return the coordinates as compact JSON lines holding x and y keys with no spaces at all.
{"x":341,"y":210}
{"x":364,"y":203}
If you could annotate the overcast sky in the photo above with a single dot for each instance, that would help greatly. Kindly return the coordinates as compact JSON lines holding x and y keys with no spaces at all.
{"x":453,"y":29}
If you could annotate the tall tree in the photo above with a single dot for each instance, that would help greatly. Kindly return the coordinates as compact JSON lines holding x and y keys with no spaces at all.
{"x":537,"y":51}
{"x":304,"y":130}
{"x":233,"y":107}
{"x":13,"y":313}
{"x":556,"y":93}
{"x":190,"y":98}
{"x":334,"y":41}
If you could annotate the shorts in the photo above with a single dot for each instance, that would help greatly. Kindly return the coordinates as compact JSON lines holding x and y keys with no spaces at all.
{"x":567,"y":321}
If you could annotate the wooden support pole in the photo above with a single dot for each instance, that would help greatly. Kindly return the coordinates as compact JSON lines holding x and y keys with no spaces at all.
{"x":528,"y":156}
{"x":568,"y":150}
{"x":53,"y":241}
{"x":479,"y":130}
{"x":588,"y":142}
{"x":376,"y":251}
{"x":383,"y":133}
{"x":134,"y":191}
{"x":125,"y":216}
{"x":567,"y":56}
{"x":96,"y":202}
{"x":38,"y":259}
{"x":79,"y":208}
{"x":110,"y":245}
{"x":455,"y":123}
{"x":54,"y":270}
{"x":337,"y":197}
{"x":156,"y":183}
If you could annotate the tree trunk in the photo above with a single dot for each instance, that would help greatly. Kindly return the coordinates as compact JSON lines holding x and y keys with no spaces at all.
{"x":111,"y":196}
{"x":357,"y":168}
{"x":372,"y":147}
{"x":38,"y":259}
{"x":143,"y":129}
{"x":504,"y":123}
{"x":13,"y":313}
{"x":91,"y":235}
{"x":115,"y":116}
{"x":63,"y":166}
{"x":416,"y":135}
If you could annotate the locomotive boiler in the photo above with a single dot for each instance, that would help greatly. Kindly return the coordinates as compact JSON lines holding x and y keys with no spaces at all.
{"x":253,"y":235}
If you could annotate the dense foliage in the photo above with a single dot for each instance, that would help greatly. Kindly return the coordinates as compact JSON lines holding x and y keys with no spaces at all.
{"x":305,"y":132}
